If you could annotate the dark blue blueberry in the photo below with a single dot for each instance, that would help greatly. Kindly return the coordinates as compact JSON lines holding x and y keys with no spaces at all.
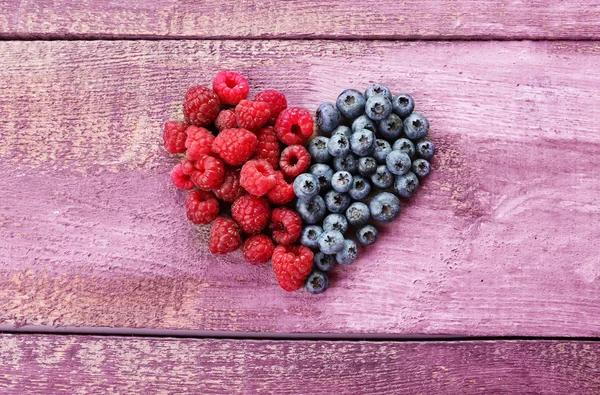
{"x":331,"y":242}
{"x":403,"y":105}
{"x":367,"y":166}
{"x":421,"y":168}
{"x":398,"y":162}
{"x":317,"y":282}
{"x":327,"y":117}
{"x":347,"y":163}
{"x":311,"y":211}
{"x":357,"y":214}
{"x":416,"y":126}
{"x":385,"y":207}
{"x":363,"y":122}
{"x":324,"y":262}
{"x":338,"y":145}
{"x":317,"y":148}
{"x":378,"y":108}
{"x":336,"y":222}
{"x":391,"y":127}
{"x":337,"y":202}
{"x":425,"y":149}
{"x":360,"y":188}
{"x":377,"y":89}
{"x":382,"y":178}
{"x":306,"y":186}
{"x":323,"y":174}
{"x":405,"y":145}
{"x":366,"y":235}
{"x":382,"y":149}
{"x":348,"y":254}
{"x":341,"y":181}
{"x":345,"y":130}
{"x":362,"y":142}
{"x":351,"y":103}
{"x":406,"y":185}
{"x":310,"y":236}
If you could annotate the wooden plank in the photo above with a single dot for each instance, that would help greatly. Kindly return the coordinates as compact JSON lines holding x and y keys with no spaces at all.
{"x":86,"y":365}
{"x":413,"y":19}
{"x":502,"y":239}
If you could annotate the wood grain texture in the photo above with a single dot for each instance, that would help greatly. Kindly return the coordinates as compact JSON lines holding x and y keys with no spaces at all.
{"x":538,"y":19}
{"x":92,"y":365}
{"x":502,"y":239}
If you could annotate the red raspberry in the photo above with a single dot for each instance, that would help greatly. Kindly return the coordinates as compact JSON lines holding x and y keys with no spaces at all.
{"x":198,"y":143}
{"x":292,"y":266}
{"x":268,"y":146}
{"x":282,"y":192}
{"x":294,"y":126}
{"x":201,"y":207}
{"x":231,"y":87}
{"x":257,"y":177}
{"x":294,"y":160}
{"x":231,"y":188}
{"x":251,"y":213}
{"x":174,"y":137}
{"x":235,"y":146}
{"x":276,"y":100}
{"x":258,"y":249}
{"x":209,"y":173}
{"x":286,"y":226}
{"x":225,"y":236}
{"x":252,"y":115}
{"x":180,"y":179}
{"x":226,"y":120}
{"x":201,"y":106}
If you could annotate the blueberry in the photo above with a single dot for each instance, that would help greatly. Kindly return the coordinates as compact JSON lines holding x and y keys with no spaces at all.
{"x":335,"y":222}
{"x":421,"y":168}
{"x":345,"y":130}
{"x":331,"y":242}
{"x":403,"y":105}
{"x":337,"y":202}
{"x":385,"y":207}
{"x":377,"y":89}
{"x":382,"y":149}
{"x":398,"y":162}
{"x":391,"y":127}
{"x":338,"y":145}
{"x":366,"y":235}
{"x":367,"y":166}
{"x":378,"y":108}
{"x":382,"y":178}
{"x":317,"y":282}
{"x":327,"y":117}
{"x":406,"y":185}
{"x":311,"y":211}
{"x":360,"y":188}
{"x":363,"y":122}
{"x":347,"y":163}
{"x":425,"y":149}
{"x":348,"y":253}
{"x":362,"y":142}
{"x":405,"y":145}
{"x":351,"y":103}
{"x":341,"y":181}
{"x":310,"y":236}
{"x":317,"y":148}
{"x":324,"y":262}
{"x":323,"y":174}
{"x":416,"y":126}
{"x":357,"y":214}
{"x":306,"y":186}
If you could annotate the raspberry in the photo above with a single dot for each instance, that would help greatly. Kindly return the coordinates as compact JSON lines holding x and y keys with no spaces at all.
{"x":257,"y":177}
{"x":276,"y":101}
{"x":282,"y":192}
{"x":252,"y":115}
{"x":251,"y":213}
{"x":225,"y":236}
{"x":180,"y":179}
{"x":201,"y":106}
{"x":268,"y":146}
{"x":201,"y":207}
{"x":235,"y":146}
{"x":294,"y":160}
{"x":258,"y":249}
{"x":209,"y":173}
{"x":198,"y":142}
{"x":231,"y":87}
{"x":292,"y":266}
{"x":174,"y":137}
{"x":226,"y":120}
{"x":294,"y":126}
{"x":286,"y":226}
{"x":231,"y":188}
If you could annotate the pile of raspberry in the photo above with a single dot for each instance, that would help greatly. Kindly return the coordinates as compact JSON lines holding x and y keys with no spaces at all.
{"x":240,"y":158}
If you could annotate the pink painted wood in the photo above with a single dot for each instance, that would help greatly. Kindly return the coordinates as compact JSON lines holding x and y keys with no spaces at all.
{"x":502,"y":239}
{"x":428,"y":19}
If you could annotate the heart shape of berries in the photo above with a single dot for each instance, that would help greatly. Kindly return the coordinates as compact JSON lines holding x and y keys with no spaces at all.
{"x":247,"y":165}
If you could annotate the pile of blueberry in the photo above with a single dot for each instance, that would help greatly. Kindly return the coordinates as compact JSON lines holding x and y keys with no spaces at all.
{"x":370,"y":151}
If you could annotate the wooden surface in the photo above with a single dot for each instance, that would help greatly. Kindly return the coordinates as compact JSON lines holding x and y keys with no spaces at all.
{"x":429,"y":19}
{"x":502,"y":240}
